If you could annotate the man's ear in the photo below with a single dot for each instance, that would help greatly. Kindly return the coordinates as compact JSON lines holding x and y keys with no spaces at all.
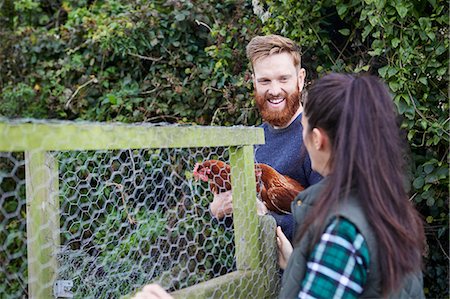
{"x":301,"y":76}
{"x":254,"y":81}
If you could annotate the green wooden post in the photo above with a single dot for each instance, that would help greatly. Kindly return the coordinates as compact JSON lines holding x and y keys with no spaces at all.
{"x":244,"y":208}
{"x":269,"y":256}
{"x":41,"y":173}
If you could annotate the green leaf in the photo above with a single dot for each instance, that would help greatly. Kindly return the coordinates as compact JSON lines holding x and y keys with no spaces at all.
{"x":411,"y":134}
{"x":441,"y":71}
{"x":428,"y":168}
{"x":442,"y":173}
{"x":431,"y":35}
{"x":425,"y":23}
{"x":401,"y":10}
{"x":345,"y":32}
{"x":382,"y":71}
{"x":380,"y":4}
{"x":342,"y":9}
{"x":401,"y":105}
{"x":392,"y":71}
{"x":112,"y":99}
{"x":366,"y":32}
{"x":395,"y":41}
{"x":423,"y":80}
{"x":432,"y":178}
{"x":423,"y":124}
{"x":180,"y":17}
{"x":426,"y":194}
{"x":418,"y":182}
{"x":394,"y":86}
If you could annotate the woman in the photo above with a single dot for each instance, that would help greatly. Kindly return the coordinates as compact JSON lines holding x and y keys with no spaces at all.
{"x":358,"y":234}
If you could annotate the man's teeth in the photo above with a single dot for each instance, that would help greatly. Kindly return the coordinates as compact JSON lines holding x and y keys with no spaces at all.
{"x":276,"y":101}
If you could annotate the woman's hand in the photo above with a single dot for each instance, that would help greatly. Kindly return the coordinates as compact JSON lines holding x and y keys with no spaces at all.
{"x":284,"y":248}
{"x":152,"y":291}
{"x":222,"y":205}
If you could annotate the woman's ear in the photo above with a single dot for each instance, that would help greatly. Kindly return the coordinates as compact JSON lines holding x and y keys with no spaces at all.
{"x":319,"y":139}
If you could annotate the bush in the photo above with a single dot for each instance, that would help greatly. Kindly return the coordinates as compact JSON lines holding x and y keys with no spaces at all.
{"x":128,"y":61}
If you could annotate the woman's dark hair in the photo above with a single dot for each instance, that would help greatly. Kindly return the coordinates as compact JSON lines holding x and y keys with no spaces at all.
{"x":367,"y":157}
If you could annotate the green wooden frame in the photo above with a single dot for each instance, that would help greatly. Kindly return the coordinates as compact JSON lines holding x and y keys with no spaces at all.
{"x":38,"y":139}
{"x":64,"y":136}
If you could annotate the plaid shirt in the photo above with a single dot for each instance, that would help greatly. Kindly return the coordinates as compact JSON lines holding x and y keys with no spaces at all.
{"x":337,"y":267}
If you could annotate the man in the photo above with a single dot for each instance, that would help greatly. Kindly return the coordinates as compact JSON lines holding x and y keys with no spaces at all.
{"x":278,"y":80}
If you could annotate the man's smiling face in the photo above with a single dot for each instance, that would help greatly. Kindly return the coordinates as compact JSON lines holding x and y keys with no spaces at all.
{"x":278,"y":83}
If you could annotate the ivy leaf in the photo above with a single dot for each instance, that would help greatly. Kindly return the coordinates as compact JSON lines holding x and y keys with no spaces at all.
{"x":342,"y":9}
{"x":345,"y":32}
{"x":366,"y":31}
{"x":395,"y":41}
{"x":428,"y":168}
{"x":431,"y":35}
{"x":401,"y":10}
{"x":180,"y":17}
{"x":394,"y":86}
{"x":392,"y":71}
{"x":382,"y":71}
{"x":380,"y":4}
{"x":112,"y":99}
{"x":418,"y":182}
{"x":440,"y":50}
{"x":424,"y":23}
{"x":423,"y":80}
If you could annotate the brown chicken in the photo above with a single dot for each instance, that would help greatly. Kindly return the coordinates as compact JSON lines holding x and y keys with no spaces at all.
{"x":216,"y":172}
{"x":277,"y":191}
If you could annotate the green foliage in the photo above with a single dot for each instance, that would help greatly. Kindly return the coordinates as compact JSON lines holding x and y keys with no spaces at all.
{"x":128,"y":61}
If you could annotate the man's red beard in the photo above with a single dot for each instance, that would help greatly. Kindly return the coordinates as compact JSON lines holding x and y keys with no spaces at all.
{"x":278,"y":118}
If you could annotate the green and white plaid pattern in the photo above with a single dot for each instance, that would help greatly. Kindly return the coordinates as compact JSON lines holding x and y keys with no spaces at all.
{"x":337,"y":267}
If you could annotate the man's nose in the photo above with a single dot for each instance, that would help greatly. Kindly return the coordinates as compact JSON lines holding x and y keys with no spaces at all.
{"x":274,"y":89}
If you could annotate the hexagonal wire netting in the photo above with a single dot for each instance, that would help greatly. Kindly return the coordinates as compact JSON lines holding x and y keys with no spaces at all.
{"x":126,"y":217}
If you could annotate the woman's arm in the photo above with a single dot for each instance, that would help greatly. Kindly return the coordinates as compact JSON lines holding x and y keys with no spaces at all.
{"x":337,"y":267}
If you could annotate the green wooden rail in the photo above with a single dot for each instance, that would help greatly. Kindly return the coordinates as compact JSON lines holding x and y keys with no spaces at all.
{"x":37,"y":139}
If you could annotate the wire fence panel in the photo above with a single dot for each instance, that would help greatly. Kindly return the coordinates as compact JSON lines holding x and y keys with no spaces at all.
{"x":103,"y":222}
{"x":13,"y":222}
{"x":133,"y":216}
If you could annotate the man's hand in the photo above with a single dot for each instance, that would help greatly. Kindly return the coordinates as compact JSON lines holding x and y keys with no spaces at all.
{"x":152,"y":291}
{"x":284,"y":248}
{"x":222,"y":205}
{"x":261,"y":208}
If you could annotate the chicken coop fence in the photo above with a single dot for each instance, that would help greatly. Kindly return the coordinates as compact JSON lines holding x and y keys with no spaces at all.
{"x":91,"y":210}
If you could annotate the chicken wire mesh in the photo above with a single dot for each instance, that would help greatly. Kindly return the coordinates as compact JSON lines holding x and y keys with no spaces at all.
{"x":125,"y":217}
